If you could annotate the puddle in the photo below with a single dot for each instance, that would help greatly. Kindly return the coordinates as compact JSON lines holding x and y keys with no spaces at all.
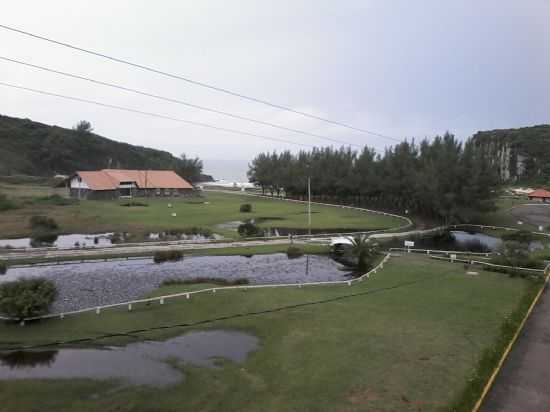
{"x":82,"y":285}
{"x":62,"y":241}
{"x":143,"y":363}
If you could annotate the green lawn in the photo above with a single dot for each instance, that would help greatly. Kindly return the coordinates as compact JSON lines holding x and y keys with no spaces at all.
{"x":110,"y":216}
{"x":502,"y":216}
{"x":407,"y":339}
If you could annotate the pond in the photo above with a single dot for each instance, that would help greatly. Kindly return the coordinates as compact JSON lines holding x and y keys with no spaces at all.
{"x":142,"y":363}
{"x":101,"y":283}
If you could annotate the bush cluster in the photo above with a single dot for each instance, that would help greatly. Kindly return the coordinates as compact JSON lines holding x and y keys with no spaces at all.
{"x":246,"y":208}
{"x":249,"y":229}
{"x":6,"y":204}
{"x":167,"y":255}
{"x":522,"y":236}
{"x":294,"y":252}
{"x":27,"y":297}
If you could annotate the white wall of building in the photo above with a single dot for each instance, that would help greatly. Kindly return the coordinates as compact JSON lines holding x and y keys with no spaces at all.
{"x":78,"y":183}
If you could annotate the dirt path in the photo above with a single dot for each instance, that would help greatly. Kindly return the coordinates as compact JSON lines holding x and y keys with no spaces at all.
{"x":523,"y":384}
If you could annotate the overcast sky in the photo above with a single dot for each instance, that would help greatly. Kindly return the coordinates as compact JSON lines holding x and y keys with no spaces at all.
{"x":400,"y":68}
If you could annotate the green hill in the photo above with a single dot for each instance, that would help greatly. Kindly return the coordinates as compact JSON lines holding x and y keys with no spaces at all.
{"x":521,"y":155}
{"x":32,"y":148}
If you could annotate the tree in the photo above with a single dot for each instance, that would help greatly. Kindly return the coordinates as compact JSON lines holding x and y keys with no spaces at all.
{"x":189,"y":169}
{"x":83,"y":128}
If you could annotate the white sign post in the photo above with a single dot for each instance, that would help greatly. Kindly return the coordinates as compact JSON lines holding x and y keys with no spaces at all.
{"x":409,"y":244}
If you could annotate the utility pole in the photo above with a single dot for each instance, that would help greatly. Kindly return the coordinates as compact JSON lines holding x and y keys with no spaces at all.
{"x":309,"y":203}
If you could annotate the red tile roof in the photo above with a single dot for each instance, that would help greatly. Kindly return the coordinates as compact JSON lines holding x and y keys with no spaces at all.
{"x":542,"y":193}
{"x":110,"y":179}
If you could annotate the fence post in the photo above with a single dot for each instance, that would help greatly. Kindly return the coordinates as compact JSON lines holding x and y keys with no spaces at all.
{"x":129,"y":307}
{"x":162,"y":301}
{"x":187,"y":296}
{"x":98,"y":311}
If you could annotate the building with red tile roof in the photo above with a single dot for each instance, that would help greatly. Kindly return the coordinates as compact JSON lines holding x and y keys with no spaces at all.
{"x":540,"y":195}
{"x":115,"y":183}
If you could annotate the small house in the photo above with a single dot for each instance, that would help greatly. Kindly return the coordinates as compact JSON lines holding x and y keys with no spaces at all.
{"x":115,"y":184}
{"x":540,"y":195}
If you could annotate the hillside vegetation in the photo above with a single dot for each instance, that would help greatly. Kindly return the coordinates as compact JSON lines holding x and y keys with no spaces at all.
{"x":32,"y":148}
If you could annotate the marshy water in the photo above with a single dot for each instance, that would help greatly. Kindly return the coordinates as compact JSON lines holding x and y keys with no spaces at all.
{"x":85,"y":285}
{"x":62,"y":241}
{"x":77,"y":240}
{"x":462,"y":240}
{"x":143,"y":363}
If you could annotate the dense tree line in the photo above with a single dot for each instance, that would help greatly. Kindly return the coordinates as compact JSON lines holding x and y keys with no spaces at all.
{"x":443,"y":179}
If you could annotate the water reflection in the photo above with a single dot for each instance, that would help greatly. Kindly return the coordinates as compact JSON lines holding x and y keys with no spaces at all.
{"x":22,"y":359}
{"x":143,"y":363}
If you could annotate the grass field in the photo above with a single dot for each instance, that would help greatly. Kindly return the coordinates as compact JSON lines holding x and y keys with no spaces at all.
{"x":110,"y":216}
{"x":407,"y":339}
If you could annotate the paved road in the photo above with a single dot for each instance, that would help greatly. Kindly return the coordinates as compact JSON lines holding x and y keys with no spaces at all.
{"x":523,"y":384}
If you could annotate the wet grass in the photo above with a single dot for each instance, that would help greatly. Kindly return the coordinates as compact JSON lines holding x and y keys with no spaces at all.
{"x":208,"y":212}
{"x":406,"y":339}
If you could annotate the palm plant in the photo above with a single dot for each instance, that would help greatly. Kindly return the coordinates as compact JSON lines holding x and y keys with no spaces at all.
{"x":364,"y":251}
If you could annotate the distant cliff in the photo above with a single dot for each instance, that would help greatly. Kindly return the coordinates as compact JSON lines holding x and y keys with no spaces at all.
{"x":521,"y":155}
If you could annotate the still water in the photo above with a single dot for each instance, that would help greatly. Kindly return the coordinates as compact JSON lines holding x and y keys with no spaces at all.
{"x":143,"y":363}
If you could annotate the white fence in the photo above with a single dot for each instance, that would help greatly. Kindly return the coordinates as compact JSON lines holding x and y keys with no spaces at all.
{"x":438,"y":252}
{"x":477,"y":262}
{"x":162,"y":299}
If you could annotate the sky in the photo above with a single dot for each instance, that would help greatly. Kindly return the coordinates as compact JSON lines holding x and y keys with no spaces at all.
{"x":403,"y":69}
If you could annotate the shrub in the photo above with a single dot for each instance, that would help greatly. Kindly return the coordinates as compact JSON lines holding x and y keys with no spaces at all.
{"x":133,"y":203}
{"x":249,"y":229}
{"x":294,"y":252}
{"x":3,"y":267}
{"x":6,"y":204}
{"x":522,"y":236}
{"x":42,"y":238}
{"x":246,"y":208}
{"x":27,"y":297}
{"x":43,"y":223}
{"x":167,"y":255}
{"x":215,"y":281}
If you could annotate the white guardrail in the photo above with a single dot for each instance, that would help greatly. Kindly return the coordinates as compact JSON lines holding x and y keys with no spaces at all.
{"x":162,"y":299}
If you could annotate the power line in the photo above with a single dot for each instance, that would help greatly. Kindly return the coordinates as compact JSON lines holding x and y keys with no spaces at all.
{"x":172,"y":100}
{"x":160,"y":116}
{"x":197,"y":83}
